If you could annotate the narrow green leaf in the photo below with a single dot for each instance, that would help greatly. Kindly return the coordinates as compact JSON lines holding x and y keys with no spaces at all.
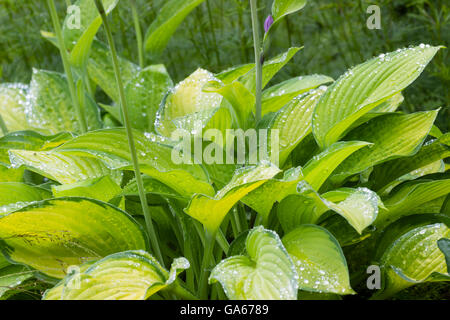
{"x":280,"y":94}
{"x":281,"y":8}
{"x":29,"y":140}
{"x":166,"y":23}
{"x":320,"y":167}
{"x":393,"y":136}
{"x":430,"y":153}
{"x":266,"y":272}
{"x":103,"y":189}
{"x":82,"y":37}
{"x":319,"y":260}
{"x":234,"y":73}
{"x":270,"y":69}
{"x":11,"y":277}
{"x":15,"y":195}
{"x":315,"y":173}
{"x":64,"y":168}
{"x":444,"y":246}
{"x":364,"y":87}
{"x":358,"y":206}
{"x":211,"y":211}
{"x":111,"y":147}
{"x":76,"y":230}
{"x":242,"y":101}
{"x":409,"y":197}
{"x":151,"y":186}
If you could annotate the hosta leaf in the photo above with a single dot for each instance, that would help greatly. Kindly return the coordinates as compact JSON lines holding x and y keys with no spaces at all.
{"x":279,"y":95}
{"x":358,"y":206}
{"x":76,"y":230}
{"x":29,"y":140}
{"x":151,"y":186}
{"x":393,"y":136}
{"x":388,"y":106}
{"x":144,"y":94}
{"x":211,"y":211}
{"x":130,"y":275}
{"x":430,"y":153}
{"x":413,"y":257}
{"x":320,"y":167}
{"x":435,"y":167}
{"x":50,"y":105}
{"x":64,"y":168}
{"x":270,"y":69}
{"x":266,"y":272}
{"x":14,"y":195}
{"x":188,"y":96}
{"x":103,"y":189}
{"x":363,"y":88}
{"x":13,"y":99}
{"x":12,"y":277}
{"x":293,"y":123}
{"x":242,"y":101}
{"x":444,"y":246}
{"x":193,"y":123}
{"x":410,"y":196}
{"x":82,"y":37}
{"x":234,"y":73}
{"x":315,"y":173}
{"x":11,"y":174}
{"x":3,"y":262}
{"x":319,"y":260}
{"x":111,"y":147}
{"x":101,"y":71}
{"x":281,"y":8}
{"x":166,"y":23}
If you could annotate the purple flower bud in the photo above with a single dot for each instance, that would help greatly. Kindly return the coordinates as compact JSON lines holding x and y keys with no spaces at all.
{"x":268,"y":23}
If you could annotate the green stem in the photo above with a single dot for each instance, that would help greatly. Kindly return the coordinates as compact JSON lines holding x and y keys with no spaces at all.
{"x":123,"y":102}
{"x":67,"y":68}
{"x":222,"y":241}
{"x":137,"y":27}
{"x":179,"y":290}
{"x":237,"y":221}
{"x":207,"y":257}
{"x":258,"y":58}
{"x":213,"y":33}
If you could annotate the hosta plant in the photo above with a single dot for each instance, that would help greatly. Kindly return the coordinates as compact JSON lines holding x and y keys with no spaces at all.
{"x":338,"y":182}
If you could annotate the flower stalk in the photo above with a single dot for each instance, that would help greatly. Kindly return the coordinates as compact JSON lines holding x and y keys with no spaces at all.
{"x":258,"y":59}
{"x":138,"y":30}
{"x":66,"y":64}
{"x":124,"y":106}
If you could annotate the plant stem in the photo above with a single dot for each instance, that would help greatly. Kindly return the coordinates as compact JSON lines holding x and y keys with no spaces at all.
{"x":137,"y":27}
{"x":213,"y":33}
{"x":258,"y":59}
{"x":180,"y":291}
{"x":67,"y":68}
{"x":207,"y":257}
{"x":123,"y":102}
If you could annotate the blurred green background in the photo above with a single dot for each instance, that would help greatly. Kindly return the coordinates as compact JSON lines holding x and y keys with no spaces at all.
{"x":218,"y":35}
